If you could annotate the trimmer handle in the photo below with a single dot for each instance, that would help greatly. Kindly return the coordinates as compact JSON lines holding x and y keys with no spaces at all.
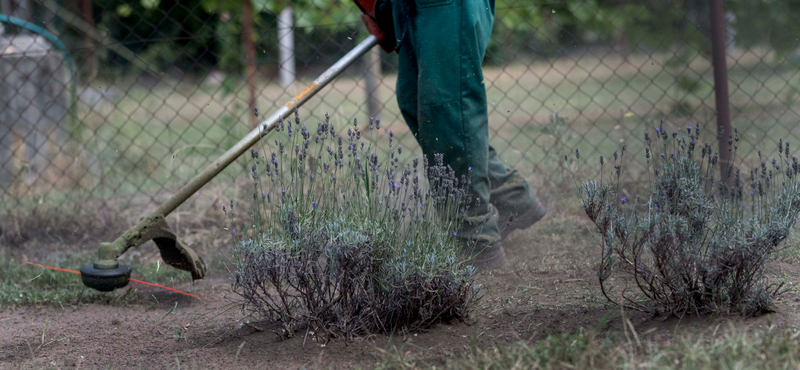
{"x":377,"y":18}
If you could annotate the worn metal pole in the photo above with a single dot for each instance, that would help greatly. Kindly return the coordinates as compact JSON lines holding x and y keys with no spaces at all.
{"x":372,"y":76}
{"x":286,"y":47}
{"x":720,"y":64}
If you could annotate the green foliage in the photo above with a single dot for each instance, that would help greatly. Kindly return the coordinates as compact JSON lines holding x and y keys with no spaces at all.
{"x":771,"y":22}
{"x":209,"y":31}
{"x":345,"y":242}
{"x":27,"y":285}
{"x":335,"y":16}
{"x":657,"y":24}
{"x":695,"y":244}
{"x":149,"y":28}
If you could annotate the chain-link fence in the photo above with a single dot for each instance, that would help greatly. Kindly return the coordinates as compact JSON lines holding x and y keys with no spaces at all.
{"x":114,"y":105}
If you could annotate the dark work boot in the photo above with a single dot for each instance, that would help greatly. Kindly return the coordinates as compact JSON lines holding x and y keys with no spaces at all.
{"x":521,"y":220}
{"x":481,"y":239}
{"x":489,"y":259}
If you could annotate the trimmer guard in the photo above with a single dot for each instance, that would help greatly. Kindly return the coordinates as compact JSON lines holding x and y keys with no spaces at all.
{"x":173,"y":251}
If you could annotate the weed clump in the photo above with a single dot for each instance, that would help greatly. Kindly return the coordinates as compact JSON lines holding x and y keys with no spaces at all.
{"x":346,"y":243}
{"x":694,"y":244}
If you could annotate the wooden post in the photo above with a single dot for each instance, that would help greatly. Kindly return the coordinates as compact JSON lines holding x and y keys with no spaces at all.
{"x":90,"y":64}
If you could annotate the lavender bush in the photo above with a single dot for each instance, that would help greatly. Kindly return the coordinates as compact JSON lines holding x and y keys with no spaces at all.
{"x":693,"y":244}
{"x":345,"y":242}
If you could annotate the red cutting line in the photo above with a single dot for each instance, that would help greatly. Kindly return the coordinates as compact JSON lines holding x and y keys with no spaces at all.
{"x":51,"y":267}
{"x":167,"y":288}
{"x":134,"y":280}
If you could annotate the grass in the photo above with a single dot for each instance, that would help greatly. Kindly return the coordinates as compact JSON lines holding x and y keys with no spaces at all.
{"x":25,"y":285}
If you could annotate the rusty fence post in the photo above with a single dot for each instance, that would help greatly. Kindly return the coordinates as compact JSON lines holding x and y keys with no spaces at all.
{"x":250,"y":59}
{"x":720,"y":65}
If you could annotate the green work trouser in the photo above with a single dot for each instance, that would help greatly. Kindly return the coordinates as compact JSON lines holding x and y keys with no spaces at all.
{"x":442,"y":96}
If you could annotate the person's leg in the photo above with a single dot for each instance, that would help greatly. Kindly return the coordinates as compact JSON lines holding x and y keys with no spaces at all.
{"x":448,"y":39}
{"x":406,"y":89}
{"x":510,"y":193}
{"x":506,"y":188}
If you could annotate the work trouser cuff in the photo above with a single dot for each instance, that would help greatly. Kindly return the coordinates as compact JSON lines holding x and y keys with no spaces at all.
{"x":513,"y":196}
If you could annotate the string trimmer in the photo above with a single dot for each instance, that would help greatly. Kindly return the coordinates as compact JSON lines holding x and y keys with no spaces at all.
{"x":106,"y":274}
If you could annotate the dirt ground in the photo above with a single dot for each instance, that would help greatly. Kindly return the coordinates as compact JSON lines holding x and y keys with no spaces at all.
{"x":549,"y":288}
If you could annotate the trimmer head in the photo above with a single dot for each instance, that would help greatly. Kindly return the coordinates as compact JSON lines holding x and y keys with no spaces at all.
{"x":105,"y":278}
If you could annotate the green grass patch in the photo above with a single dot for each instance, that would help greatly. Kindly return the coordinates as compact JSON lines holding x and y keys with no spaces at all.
{"x":24,"y":285}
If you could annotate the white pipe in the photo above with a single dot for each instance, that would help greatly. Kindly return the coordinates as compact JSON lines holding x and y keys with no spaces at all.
{"x":286,"y":45}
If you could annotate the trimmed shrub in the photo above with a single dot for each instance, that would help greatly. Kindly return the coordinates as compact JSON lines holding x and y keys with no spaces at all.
{"x":693,"y":244}
{"x":345,"y":242}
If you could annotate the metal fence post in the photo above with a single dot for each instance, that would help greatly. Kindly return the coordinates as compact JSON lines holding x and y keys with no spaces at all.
{"x":286,"y":62}
{"x":372,"y":76}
